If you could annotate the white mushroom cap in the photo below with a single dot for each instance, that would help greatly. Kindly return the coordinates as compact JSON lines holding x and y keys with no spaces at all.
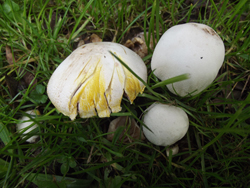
{"x":167,"y":123}
{"x":190,"y":48}
{"x":26,"y":122}
{"x":91,"y":81}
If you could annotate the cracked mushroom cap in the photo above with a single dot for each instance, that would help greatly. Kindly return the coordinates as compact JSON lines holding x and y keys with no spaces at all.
{"x":191,"y":48}
{"x":91,"y":81}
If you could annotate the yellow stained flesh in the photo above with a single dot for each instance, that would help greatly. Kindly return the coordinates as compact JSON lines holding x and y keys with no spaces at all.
{"x":92,"y":95}
{"x":115,"y":90}
{"x":132,"y":86}
{"x":85,"y":74}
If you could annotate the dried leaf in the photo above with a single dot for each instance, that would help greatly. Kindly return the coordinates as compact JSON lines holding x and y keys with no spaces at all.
{"x":27,"y":77}
{"x":80,"y":43}
{"x":89,"y":39}
{"x":138,"y":44}
{"x":130,"y":127}
{"x":12,"y":85}
{"x":95,"y":38}
{"x":9,"y":56}
{"x":53,"y":21}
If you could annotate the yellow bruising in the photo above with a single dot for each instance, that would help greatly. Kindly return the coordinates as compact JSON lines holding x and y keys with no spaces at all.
{"x":99,"y":93}
{"x":84,"y":75}
{"x":120,"y":74}
{"x":86,"y":72}
{"x":132,"y":86}
{"x":90,"y":96}
{"x":114,"y":92}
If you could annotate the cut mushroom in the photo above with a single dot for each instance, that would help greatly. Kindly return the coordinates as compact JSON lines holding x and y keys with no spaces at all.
{"x":91,"y":81}
{"x":192,"y":48}
{"x":166,"y":124}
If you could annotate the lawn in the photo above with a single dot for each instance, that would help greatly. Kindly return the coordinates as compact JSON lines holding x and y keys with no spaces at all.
{"x":37,"y":35}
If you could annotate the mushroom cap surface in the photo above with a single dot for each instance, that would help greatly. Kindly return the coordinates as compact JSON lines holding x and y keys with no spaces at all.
{"x":91,"y":81}
{"x":192,"y":48}
{"x":167,"y":123}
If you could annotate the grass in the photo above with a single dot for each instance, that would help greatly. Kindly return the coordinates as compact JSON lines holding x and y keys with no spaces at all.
{"x":40,"y":35}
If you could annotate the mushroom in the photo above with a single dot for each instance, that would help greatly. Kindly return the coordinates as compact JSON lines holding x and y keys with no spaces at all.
{"x":130,"y":126}
{"x":25,"y":123}
{"x":190,"y":48}
{"x":91,"y":81}
{"x":174,"y":149}
{"x":166,"y":124}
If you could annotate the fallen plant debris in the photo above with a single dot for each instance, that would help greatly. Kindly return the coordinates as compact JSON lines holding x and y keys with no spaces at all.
{"x":27,"y":79}
{"x":138,"y":44}
{"x":130,"y":131}
{"x":90,"y":39}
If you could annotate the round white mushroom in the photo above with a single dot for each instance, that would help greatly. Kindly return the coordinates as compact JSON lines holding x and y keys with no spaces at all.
{"x":91,"y":81}
{"x":192,"y":48}
{"x":27,"y":122}
{"x":166,"y":124}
